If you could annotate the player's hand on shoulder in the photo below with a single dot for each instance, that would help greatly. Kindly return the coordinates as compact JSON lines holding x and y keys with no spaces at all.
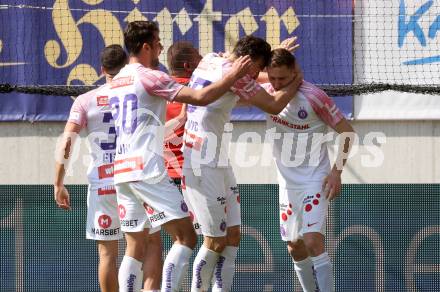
{"x":62,"y":197}
{"x":290,"y":44}
{"x":332,"y":184}
{"x":241,"y":67}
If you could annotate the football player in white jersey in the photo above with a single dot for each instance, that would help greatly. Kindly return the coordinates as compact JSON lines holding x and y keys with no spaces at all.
{"x":307,"y":182}
{"x":146,"y":198}
{"x":91,"y":112}
{"x":208,"y":182}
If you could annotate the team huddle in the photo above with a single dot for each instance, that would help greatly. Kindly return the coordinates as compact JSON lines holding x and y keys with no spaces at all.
{"x":147,"y":174}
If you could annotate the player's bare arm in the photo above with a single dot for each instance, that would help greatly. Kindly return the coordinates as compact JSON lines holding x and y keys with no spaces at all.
{"x":174,"y":124}
{"x":332,"y":183}
{"x":61,"y":195}
{"x":274,"y":104}
{"x":209,"y":94}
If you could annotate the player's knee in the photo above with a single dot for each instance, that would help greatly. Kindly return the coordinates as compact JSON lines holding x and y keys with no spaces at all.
{"x":186,"y":236}
{"x":314,"y":244}
{"x":233,"y":236}
{"x":153,"y":239}
{"x":297,"y":249}
{"x":108,"y":251}
{"x":216,"y":244}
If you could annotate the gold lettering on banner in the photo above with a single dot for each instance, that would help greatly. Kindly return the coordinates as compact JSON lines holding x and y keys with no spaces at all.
{"x":84,"y":73}
{"x":135,"y":15}
{"x":290,"y":20}
{"x":93,"y":2}
{"x":205,"y":20}
{"x":273,"y":24}
{"x":166,"y":25}
{"x":71,"y":39}
{"x":107,"y":25}
{"x":68,"y":33}
{"x":246,"y":20}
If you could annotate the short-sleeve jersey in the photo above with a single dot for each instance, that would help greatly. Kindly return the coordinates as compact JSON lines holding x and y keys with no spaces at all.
{"x":138,"y":98}
{"x":300,"y":152}
{"x":204,"y":127}
{"x":92,"y":112}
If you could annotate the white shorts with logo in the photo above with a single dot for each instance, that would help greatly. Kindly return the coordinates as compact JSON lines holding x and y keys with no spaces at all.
{"x":213,"y":200}
{"x":302,"y":210}
{"x":149,"y":205}
{"x":102,"y":214}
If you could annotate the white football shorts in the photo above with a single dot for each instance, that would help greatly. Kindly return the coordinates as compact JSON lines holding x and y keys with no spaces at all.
{"x":213,"y":200}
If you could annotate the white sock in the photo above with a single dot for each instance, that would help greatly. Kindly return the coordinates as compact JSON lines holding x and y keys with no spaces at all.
{"x":203,"y":269}
{"x":305,"y":274}
{"x":224,"y":270}
{"x":150,"y":290}
{"x":323,"y":272}
{"x":130,"y":275}
{"x":175,"y":267}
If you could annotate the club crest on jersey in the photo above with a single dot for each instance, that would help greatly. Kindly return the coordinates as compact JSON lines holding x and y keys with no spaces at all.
{"x":302,"y":113}
{"x":102,"y":100}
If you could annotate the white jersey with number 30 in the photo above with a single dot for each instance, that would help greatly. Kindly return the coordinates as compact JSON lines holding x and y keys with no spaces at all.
{"x":138,"y":98}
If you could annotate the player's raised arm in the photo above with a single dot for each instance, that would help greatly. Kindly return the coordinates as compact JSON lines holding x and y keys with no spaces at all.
{"x":215,"y":90}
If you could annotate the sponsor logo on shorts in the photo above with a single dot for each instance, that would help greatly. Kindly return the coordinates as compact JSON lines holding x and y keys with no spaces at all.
{"x":223,"y":226}
{"x":106,"y":232}
{"x":104,"y":221}
{"x":234,"y":190}
{"x":183,"y":206}
{"x":285,"y":211}
{"x":282,"y":231}
{"x":149,"y":210}
{"x":309,"y":225}
{"x":122,"y":211}
{"x":157,"y":217}
{"x":309,"y":201}
{"x":129,"y":223}
{"x":222,"y":200}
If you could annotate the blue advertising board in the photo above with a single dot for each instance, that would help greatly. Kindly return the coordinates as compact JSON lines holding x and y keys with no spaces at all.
{"x":58,"y":42}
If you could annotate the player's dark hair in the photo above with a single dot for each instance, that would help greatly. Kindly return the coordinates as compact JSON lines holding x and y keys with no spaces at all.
{"x":113,"y":58}
{"x":282,"y":57}
{"x":255,"y":47}
{"x":138,"y":33}
{"x":179,"y":53}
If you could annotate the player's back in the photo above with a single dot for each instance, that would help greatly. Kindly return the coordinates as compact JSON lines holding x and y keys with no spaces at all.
{"x":205,"y":125}
{"x":138,"y":100}
{"x":92,"y":112}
